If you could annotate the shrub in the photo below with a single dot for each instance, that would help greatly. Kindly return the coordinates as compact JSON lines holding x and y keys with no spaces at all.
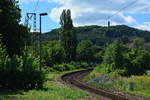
{"x":20,"y":72}
{"x":85,"y":65}
{"x":106,"y":69}
{"x":72,"y":65}
{"x":64,"y":67}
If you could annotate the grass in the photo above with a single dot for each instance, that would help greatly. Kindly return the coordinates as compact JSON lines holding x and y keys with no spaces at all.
{"x":145,"y":92}
{"x":52,"y":92}
{"x":141,"y":83}
{"x":106,"y":70}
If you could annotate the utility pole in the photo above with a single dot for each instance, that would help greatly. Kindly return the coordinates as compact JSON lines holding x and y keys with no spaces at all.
{"x":41,"y":14}
{"x":29,"y":18}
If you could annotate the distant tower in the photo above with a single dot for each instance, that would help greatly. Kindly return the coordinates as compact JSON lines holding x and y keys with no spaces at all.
{"x":108,"y":23}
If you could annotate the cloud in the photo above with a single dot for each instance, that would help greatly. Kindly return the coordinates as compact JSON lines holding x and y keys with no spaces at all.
{"x":98,"y":12}
{"x":89,"y":12}
{"x":144,"y":26}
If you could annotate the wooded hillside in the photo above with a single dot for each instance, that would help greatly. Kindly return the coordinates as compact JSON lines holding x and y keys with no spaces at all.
{"x":102,"y":35}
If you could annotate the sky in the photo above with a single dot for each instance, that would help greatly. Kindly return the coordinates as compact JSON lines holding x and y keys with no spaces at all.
{"x":134,"y":13}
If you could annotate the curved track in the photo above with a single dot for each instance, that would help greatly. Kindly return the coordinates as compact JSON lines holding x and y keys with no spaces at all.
{"x":75,"y":79}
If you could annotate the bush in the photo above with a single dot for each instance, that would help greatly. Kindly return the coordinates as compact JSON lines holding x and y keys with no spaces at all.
{"x":71,"y":66}
{"x":20,"y":72}
{"x":106,"y":69}
{"x":65,"y":67}
{"x":86,"y":65}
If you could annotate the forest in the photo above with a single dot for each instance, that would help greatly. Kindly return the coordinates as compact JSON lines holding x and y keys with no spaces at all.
{"x":101,"y":35}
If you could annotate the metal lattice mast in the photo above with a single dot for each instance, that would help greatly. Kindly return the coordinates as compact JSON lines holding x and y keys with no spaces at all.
{"x":34,"y":25}
{"x":31,"y":18}
{"x":28,"y":19}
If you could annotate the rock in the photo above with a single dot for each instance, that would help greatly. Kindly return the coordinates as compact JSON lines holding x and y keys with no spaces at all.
{"x":102,"y":79}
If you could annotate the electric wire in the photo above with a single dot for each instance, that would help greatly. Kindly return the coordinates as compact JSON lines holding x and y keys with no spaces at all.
{"x":35,"y":8}
{"x":130,"y":4}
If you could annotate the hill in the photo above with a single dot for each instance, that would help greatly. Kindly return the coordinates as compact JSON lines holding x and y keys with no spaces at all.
{"x":101,"y":35}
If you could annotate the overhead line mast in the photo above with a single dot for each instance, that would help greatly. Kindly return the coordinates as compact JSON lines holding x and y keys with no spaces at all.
{"x":28,"y":16}
{"x":32,"y":14}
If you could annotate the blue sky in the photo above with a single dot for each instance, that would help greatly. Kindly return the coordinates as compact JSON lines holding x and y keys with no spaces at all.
{"x":91,"y":12}
{"x":47,"y":23}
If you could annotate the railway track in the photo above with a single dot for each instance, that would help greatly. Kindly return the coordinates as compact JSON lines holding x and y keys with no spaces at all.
{"x":75,"y":79}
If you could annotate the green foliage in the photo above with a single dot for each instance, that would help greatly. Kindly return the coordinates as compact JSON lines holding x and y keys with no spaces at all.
{"x":53,"y":56}
{"x":99,"y":56}
{"x":53,"y":53}
{"x":102,"y":35}
{"x":133,"y":60}
{"x":70,"y":66}
{"x":15,"y":36}
{"x":84,"y":50}
{"x":67,"y":35}
{"x":125,"y":39}
{"x":141,"y":84}
{"x":54,"y":91}
{"x":106,"y":69}
{"x":146,"y":39}
{"x":114,"y":55}
{"x":10,"y":7}
{"x":87,"y":52}
{"x":20,"y":72}
{"x":2,"y":50}
{"x":138,"y":43}
{"x":64,"y":67}
{"x":137,"y":61}
{"x":86,"y":65}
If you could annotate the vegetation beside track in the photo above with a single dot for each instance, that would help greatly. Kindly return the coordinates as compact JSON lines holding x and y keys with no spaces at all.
{"x":127,"y":67}
{"x":140,"y":82}
{"x":53,"y":90}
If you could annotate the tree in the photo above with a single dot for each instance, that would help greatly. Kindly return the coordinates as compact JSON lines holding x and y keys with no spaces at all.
{"x":84,"y":50}
{"x":114,"y":55}
{"x":125,"y":39}
{"x":137,"y":61}
{"x":12,"y":32}
{"x":2,"y":51}
{"x":53,"y":53}
{"x":138,"y":43}
{"x":67,"y":35}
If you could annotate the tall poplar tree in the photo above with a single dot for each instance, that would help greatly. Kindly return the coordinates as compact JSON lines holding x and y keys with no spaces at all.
{"x":67,"y":35}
